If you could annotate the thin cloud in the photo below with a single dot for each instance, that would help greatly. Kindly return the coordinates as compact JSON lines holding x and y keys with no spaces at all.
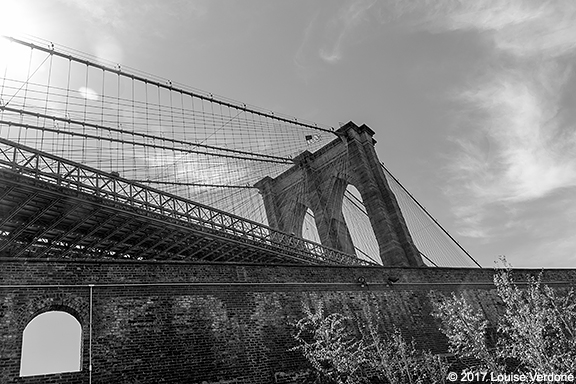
{"x":114,"y":17}
{"x":527,"y":160}
{"x":120,"y":13}
{"x":339,"y":29}
{"x":522,"y":28}
{"x":301,"y":53}
{"x":108,"y":48}
{"x":331,"y":30}
{"x":102,"y":11}
{"x":513,"y":146}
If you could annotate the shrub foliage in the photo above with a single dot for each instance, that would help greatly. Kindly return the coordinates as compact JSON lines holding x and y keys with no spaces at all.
{"x":345,"y":352}
{"x":534,"y":333}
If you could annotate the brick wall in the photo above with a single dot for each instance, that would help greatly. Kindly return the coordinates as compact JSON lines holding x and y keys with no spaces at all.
{"x":215,"y":323}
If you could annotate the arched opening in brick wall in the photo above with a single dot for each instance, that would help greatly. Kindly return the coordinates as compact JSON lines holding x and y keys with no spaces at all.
{"x":359,"y":225}
{"x":309,"y":229}
{"x":51,"y":343}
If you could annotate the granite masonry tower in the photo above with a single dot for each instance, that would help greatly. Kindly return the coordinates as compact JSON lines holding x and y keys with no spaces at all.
{"x":318,"y":182}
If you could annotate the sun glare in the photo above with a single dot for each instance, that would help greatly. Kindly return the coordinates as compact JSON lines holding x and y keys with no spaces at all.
{"x":14,"y":21}
{"x":14,"y":59}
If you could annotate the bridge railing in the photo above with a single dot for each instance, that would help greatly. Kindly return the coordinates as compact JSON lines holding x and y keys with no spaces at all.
{"x":62,"y":172}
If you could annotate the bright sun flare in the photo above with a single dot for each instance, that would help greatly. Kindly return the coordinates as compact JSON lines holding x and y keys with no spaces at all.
{"x":14,"y":21}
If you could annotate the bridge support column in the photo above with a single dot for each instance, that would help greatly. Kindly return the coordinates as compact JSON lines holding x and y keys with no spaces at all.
{"x":285,"y":215}
{"x":324,"y":196}
{"x":394,"y":240}
{"x":318,"y":181}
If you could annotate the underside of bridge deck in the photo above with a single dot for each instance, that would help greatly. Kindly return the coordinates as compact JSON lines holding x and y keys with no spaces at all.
{"x":41,"y":220}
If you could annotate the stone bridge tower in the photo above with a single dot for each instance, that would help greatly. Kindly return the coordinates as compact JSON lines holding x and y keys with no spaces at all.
{"x":318,"y":182}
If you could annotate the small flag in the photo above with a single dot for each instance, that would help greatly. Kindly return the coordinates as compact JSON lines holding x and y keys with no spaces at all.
{"x":311,"y":139}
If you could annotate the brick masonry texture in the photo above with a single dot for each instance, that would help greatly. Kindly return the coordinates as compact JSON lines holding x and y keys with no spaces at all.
{"x":171,"y":322}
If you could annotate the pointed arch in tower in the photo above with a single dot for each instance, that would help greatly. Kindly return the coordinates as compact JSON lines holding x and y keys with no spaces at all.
{"x":361,"y":231}
{"x":318,"y":180}
{"x":309,"y":229}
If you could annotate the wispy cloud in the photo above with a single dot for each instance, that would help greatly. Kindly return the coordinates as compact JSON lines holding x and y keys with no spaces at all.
{"x":106,"y":20}
{"x":348,"y":18}
{"x":118,"y":13}
{"x":302,"y":54}
{"x":522,"y":28}
{"x":332,"y":29}
{"x":103,"y":11}
{"x":513,"y":146}
{"x":530,"y":152}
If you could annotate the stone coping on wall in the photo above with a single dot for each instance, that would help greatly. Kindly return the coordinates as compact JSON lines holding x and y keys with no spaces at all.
{"x":26,"y":272}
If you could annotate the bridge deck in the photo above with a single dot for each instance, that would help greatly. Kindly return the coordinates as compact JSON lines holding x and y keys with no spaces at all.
{"x":53,"y":208}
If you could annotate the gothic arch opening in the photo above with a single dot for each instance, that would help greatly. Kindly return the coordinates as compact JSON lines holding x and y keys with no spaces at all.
{"x":309,"y":229}
{"x":51,"y":343}
{"x":359,"y":226}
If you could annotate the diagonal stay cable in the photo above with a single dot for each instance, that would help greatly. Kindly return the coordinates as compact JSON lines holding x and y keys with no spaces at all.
{"x":201,"y":144}
{"x":429,"y":215}
{"x":270,"y":158}
{"x":28,"y":79}
{"x":169,"y":86}
{"x":221,"y":127}
{"x":88,"y":136}
{"x":194,"y":184}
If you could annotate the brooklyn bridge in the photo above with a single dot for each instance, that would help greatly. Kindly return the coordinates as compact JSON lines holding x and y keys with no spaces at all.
{"x":98,"y":161}
{"x":177,"y":225}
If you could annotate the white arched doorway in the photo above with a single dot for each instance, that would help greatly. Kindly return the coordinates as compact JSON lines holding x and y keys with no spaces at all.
{"x":51,"y":343}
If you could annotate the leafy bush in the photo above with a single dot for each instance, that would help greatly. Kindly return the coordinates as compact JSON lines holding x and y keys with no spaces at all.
{"x":343,"y":352}
{"x":535,"y":333}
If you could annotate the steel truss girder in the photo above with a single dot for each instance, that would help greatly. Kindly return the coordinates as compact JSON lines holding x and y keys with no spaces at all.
{"x":17,"y":209}
{"x":172,"y":237}
{"x":182,"y":240}
{"x":46,"y":230}
{"x":66,"y":233}
{"x":89,"y":234}
{"x":152,"y":203}
{"x":144,"y":238}
{"x":215,"y":250}
{"x":116,"y":230}
{"x":36,"y":216}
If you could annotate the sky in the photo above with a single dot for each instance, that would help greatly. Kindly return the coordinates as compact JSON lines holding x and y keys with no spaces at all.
{"x":473,"y":102}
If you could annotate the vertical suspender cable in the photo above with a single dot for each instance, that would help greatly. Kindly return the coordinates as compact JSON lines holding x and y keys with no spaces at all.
{"x":66,"y":113}
{"x":41,"y":144}
{"x":90,"y":339}
{"x":84,"y":146}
